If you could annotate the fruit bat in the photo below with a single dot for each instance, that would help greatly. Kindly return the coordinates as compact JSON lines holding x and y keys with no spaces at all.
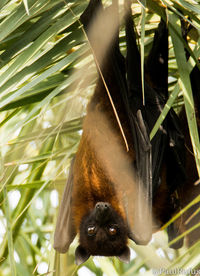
{"x":189,"y":190}
{"x":117,"y":172}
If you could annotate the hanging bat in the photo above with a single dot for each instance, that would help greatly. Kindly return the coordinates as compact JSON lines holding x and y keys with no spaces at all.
{"x":189,"y":190}
{"x":118,"y":172}
{"x":168,"y":155}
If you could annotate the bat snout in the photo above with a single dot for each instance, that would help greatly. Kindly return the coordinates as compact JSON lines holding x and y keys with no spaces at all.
{"x":102,"y":211}
{"x":102,"y":206}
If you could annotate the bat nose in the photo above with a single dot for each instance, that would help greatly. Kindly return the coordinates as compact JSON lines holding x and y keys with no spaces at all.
{"x":102,"y":206}
{"x":102,"y":212}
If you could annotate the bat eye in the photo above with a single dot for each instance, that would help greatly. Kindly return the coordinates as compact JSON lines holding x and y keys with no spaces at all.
{"x":91,"y":230}
{"x":112,"y":231}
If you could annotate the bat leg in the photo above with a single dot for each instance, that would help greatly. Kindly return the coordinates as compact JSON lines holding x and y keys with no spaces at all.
{"x":65,"y":231}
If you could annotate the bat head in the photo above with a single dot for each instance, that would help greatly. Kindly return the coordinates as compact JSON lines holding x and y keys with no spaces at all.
{"x":103,"y":232}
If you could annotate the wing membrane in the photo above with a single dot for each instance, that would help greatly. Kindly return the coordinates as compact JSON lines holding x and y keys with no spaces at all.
{"x":65,"y":231}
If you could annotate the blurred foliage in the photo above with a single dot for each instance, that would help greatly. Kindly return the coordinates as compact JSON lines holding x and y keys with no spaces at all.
{"x":47,"y":75}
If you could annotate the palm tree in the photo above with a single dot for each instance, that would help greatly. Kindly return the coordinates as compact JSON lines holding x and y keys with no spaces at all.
{"x":43,"y":54}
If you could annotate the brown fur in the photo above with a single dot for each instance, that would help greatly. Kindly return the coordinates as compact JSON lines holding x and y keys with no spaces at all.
{"x":100,"y":142}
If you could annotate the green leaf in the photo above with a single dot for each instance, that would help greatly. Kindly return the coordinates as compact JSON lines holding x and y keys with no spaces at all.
{"x":40,"y":42}
{"x":165,"y":110}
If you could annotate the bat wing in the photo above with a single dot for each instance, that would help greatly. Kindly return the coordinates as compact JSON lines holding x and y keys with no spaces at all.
{"x":167,"y":145}
{"x":90,"y":14}
{"x":157,"y":74}
{"x":141,"y":221}
{"x":149,"y":154}
{"x":174,"y":155}
{"x":157,"y":61}
{"x":65,"y":231}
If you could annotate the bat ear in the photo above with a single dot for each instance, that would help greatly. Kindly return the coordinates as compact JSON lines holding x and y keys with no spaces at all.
{"x":125,"y":255}
{"x":81,"y":255}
